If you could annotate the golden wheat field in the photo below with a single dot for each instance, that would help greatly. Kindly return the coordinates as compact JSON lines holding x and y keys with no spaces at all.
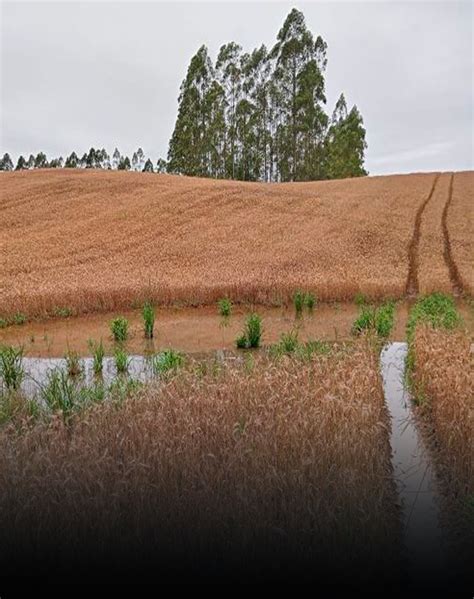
{"x":96,"y":240}
{"x":291,"y":458}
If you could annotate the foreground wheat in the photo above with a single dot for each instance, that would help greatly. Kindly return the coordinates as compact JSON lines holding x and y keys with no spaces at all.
{"x":252,"y":466}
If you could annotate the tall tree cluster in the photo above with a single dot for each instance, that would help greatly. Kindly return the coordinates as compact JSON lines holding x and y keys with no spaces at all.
{"x":260,"y":116}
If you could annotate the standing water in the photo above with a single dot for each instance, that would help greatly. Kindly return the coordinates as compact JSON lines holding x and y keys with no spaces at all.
{"x":413,"y":472}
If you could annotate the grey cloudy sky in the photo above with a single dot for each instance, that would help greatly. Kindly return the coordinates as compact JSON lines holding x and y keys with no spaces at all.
{"x":75,"y":75}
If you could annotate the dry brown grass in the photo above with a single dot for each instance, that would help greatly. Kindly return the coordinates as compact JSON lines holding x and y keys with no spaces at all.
{"x":282,"y":460}
{"x":460,"y":220}
{"x":433,"y":275}
{"x":444,"y":376}
{"x":96,"y":240}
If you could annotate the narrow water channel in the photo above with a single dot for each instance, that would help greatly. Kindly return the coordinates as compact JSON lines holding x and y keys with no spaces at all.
{"x":412,"y":468}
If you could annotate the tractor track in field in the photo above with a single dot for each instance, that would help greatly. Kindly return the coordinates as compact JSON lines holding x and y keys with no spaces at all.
{"x":412,"y":286}
{"x":454,"y":275}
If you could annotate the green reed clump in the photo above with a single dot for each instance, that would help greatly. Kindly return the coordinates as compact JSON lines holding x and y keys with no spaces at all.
{"x":167,"y":361}
{"x":287,"y":344}
{"x":224,"y":306}
{"x":305,"y":351}
{"x":98,"y":354}
{"x":19,"y":318}
{"x":299,"y":302}
{"x":378,"y":320}
{"x":252,"y":333}
{"x":11,"y":366}
{"x":310,"y":301}
{"x":3,"y":323}
{"x":121,"y":360}
{"x":119,"y":329}
{"x":60,"y":393}
{"x":148,"y":314}
{"x":73,"y":363}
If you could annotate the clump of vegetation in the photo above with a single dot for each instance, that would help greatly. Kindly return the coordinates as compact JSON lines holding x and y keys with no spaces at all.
{"x":148,"y":314}
{"x":224,"y":306}
{"x":377,"y":320}
{"x":252,"y":333}
{"x":119,"y":329}
{"x":121,"y":360}
{"x":298,"y":302}
{"x":73,"y":363}
{"x":287,"y":344}
{"x":60,"y":392}
{"x":11,"y":366}
{"x":19,"y":318}
{"x":310,"y":301}
{"x":437,"y":309}
{"x":167,"y":361}
{"x":63,"y":312}
{"x":3,"y":323}
{"x":98,"y":354}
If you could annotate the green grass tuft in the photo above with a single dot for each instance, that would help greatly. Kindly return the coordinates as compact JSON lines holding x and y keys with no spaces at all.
{"x":11,"y":366}
{"x":224,"y":306}
{"x":148,"y":314}
{"x":119,"y":329}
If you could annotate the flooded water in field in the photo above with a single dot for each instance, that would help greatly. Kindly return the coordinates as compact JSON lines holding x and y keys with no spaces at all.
{"x":184,"y":329}
{"x":38,"y":370}
{"x":412,"y":467}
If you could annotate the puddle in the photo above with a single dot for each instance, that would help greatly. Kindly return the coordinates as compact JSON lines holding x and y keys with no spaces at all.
{"x":38,"y":370}
{"x":412,"y":469}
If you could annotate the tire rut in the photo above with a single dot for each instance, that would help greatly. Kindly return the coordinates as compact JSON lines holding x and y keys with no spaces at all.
{"x":412,"y":286}
{"x":454,"y":275}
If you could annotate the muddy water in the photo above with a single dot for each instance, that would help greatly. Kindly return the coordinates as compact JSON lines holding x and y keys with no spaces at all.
{"x":194,"y":329}
{"x":412,"y":469}
{"x":187,"y":330}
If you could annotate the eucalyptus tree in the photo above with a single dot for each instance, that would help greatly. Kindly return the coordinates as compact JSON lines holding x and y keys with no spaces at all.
{"x":229,"y":75}
{"x":21,"y":164}
{"x":6,"y":163}
{"x":189,"y":147}
{"x":299,"y":65}
{"x":116,"y":159}
{"x":345,"y":143}
{"x":41,"y":161}
{"x":71,"y":161}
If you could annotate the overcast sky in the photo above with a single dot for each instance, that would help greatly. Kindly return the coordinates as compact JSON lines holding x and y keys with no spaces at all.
{"x":75,"y":75}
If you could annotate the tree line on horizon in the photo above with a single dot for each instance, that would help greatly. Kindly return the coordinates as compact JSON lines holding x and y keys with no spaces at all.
{"x":250,"y":117}
{"x":98,"y":159}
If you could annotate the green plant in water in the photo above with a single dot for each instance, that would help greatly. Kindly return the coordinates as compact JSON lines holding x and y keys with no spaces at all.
{"x":167,"y":361}
{"x":73,"y":363}
{"x":60,"y":392}
{"x":119,"y":329}
{"x":148,"y":314}
{"x":98,"y":354}
{"x":121,"y":360}
{"x":287,"y":344}
{"x":310,"y":301}
{"x":225,"y":307}
{"x":299,"y":302}
{"x":253,"y":330}
{"x":11,"y":366}
{"x":241,"y":342}
{"x":378,"y":320}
